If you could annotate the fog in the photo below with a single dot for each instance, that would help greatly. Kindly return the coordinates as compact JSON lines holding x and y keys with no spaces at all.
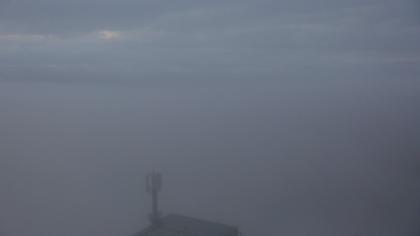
{"x":278,"y":117}
{"x":340,"y":157}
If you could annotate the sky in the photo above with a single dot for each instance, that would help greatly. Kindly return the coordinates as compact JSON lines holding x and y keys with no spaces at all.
{"x":280,"y":117}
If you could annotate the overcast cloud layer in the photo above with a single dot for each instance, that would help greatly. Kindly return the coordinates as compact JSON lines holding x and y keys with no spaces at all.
{"x":70,"y":41}
{"x":292,"y":117}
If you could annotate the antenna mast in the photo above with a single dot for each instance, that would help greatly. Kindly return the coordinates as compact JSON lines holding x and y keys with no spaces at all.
{"x":153,"y":186}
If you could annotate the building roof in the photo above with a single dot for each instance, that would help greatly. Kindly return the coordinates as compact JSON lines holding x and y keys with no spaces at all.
{"x":177,"y":225}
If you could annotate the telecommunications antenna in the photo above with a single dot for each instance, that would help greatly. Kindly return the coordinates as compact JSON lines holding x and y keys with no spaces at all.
{"x":153,"y":186}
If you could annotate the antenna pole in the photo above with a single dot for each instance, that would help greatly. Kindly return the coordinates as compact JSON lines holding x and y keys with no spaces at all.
{"x":153,"y":186}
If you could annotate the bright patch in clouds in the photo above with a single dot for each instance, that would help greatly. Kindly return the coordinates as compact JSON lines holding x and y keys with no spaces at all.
{"x":109,"y":35}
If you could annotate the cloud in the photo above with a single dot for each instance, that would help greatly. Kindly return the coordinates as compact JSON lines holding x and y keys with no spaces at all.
{"x":223,"y":39}
{"x":24,"y":37}
{"x":109,"y":35}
